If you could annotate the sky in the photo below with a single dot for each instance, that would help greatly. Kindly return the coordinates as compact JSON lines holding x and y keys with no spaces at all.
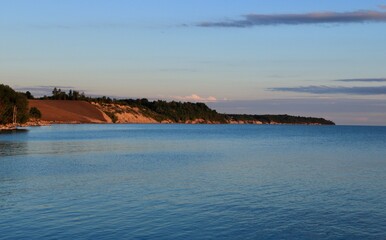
{"x":311,"y":58}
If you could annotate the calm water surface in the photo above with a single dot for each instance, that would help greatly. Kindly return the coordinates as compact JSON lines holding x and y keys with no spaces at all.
{"x":193,"y":182}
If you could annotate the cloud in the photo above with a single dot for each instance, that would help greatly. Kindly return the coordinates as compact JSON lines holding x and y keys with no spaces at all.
{"x":378,"y":90}
{"x":195,"y":98}
{"x":189,"y":70}
{"x":80,"y":26}
{"x":52,"y":26}
{"x":251,"y":20}
{"x":382,"y":6}
{"x":362,"y":80}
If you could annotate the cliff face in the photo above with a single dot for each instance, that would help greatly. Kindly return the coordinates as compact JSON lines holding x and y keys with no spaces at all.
{"x":162,"y":113}
{"x":124,"y":114}
{"x":62,"y":111}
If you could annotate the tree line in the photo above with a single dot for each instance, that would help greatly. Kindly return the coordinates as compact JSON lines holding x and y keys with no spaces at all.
{"x":58,"y":94}
{"x":281,"y":118}
{"x":177,"y":111}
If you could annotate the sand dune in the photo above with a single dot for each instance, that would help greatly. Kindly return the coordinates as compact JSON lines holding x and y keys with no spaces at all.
{"x":59,"y":111}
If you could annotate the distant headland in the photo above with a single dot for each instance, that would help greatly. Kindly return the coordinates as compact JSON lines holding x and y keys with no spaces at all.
{"x":74,"y":107}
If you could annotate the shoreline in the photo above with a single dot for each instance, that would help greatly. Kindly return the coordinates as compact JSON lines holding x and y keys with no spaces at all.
{"x":8,"y":127}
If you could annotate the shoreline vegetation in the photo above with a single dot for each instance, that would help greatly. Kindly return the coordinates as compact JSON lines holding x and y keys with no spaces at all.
{"x":74,"y":108}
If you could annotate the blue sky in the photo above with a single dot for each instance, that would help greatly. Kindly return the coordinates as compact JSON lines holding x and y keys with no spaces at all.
{"x":240,"y":56}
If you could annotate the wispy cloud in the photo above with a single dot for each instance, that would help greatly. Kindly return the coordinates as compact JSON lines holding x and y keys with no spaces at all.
{"x":194,"y":98}
{"x":251,"y":20}
{"x":178,"y":70}
{"x":378,"y":90}
{"x":81,"y":26}
{"x":362,"y":80}
{"x":382,"y":6}
{"x":51,"y":26}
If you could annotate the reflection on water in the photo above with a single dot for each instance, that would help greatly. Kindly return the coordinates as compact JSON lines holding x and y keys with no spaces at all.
{"x":14,"y":131}
{"x":13,"y":148}
{"x":11,"y":142}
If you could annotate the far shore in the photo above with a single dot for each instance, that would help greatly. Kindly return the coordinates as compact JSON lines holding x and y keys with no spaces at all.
{"x":82,"y":112}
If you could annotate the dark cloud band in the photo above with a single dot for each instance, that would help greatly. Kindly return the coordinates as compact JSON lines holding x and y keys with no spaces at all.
{"x":362,"y":80}
{"x":378,"y":90}
{"x":251,"y":20}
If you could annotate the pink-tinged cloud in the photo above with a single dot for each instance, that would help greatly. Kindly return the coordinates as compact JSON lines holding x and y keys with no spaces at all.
{"x":195,"y":98}
{"x":251,"y":20}
{"x":382,"y":6}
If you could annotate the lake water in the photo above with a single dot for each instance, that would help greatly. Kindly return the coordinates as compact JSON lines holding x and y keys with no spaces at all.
{"x":193,"y":182}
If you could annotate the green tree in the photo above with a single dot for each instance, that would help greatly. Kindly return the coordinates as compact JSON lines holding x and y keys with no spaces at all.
{"x":35,"y":113}
{"x":70,"y":95}
{"x":9,"y":99}
{"x":29,"y":95}
{"x":55,"y":93}
{"x":113,"y":117}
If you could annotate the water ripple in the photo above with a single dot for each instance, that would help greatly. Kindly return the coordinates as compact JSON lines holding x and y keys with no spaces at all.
{"x":193,"y":182}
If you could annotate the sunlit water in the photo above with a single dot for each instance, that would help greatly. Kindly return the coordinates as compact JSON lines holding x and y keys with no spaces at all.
{"x":193,"y":182}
